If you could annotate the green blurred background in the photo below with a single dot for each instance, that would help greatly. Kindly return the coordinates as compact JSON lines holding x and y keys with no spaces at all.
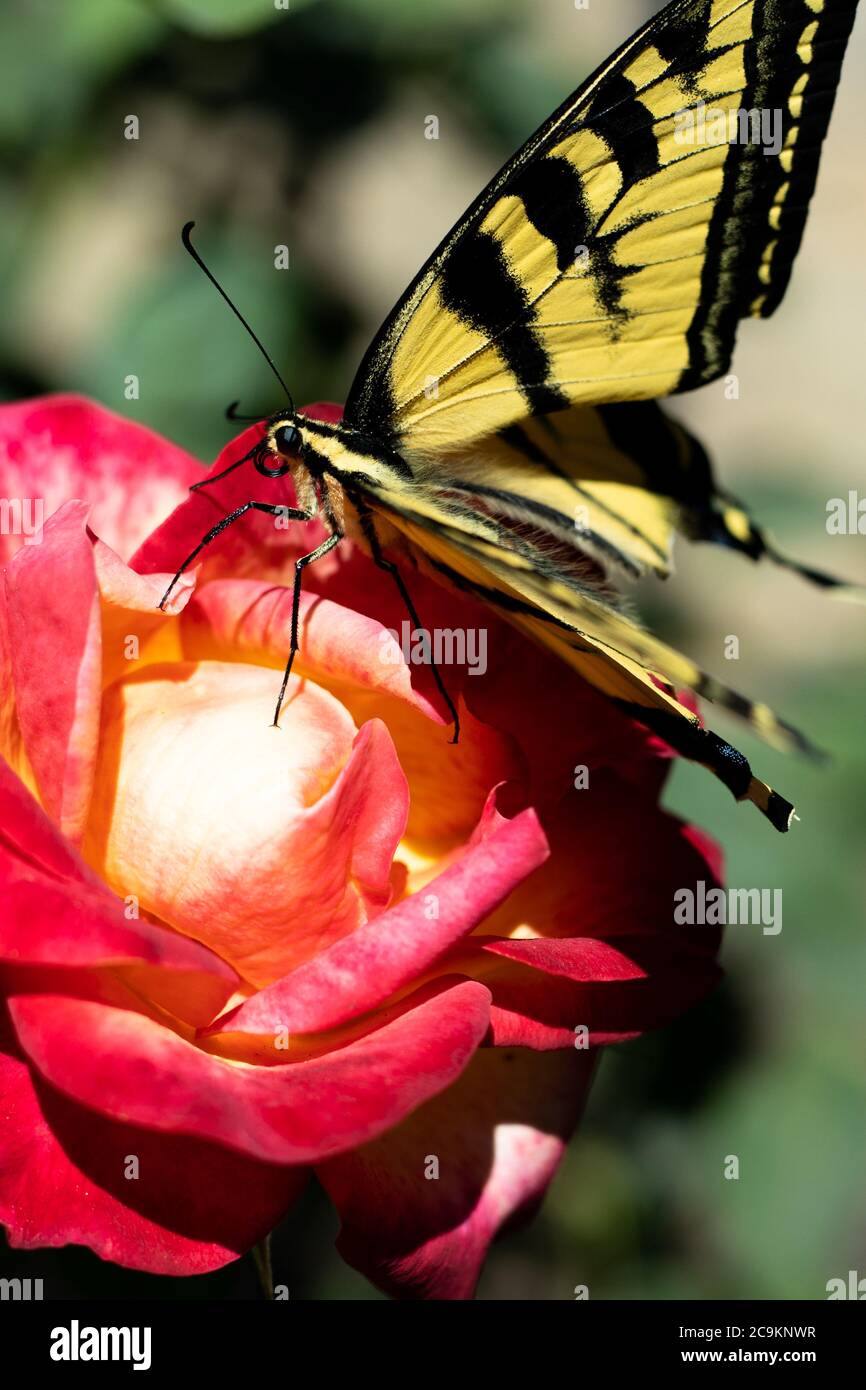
{"x":306,"y":129}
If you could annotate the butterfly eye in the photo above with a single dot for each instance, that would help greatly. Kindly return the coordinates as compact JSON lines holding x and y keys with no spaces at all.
{"x":286,"y":439}
{"x":284,"y":445}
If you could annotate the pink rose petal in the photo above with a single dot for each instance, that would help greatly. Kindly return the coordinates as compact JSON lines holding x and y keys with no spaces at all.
{"x":131,"y":1068}
{"x":497,"y":1136}
{"x":54,"y":448}
{"x":358,"y":973}
{"x":56,"y":659}
{"x":64,"y":1181}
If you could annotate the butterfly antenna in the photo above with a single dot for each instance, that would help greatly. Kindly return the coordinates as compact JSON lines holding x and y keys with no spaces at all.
{"x":187,"y":241}
{"x":232,"y":414}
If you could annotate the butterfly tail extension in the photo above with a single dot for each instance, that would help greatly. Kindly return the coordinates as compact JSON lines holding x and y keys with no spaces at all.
{"x":731,"y":525}
{"x":669,"y":481}
{"x":701,"y":745}
{"x":658,"y":709}
{"x":646,"y":701}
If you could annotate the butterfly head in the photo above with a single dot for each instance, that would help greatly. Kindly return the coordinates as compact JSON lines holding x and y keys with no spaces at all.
{"x":283,"y":450}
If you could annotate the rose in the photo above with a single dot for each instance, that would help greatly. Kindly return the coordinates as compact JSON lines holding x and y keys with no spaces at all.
{"x":233,"y":954}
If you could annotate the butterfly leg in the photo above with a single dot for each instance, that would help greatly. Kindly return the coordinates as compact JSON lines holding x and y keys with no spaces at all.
{"x":389,"y":567}
{"x":273,"y":509}
{"x":300,"y":565}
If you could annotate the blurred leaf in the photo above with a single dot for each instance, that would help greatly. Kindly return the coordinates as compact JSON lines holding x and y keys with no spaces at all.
{"x":53,"y":55}
{"x":434,"y":14}
{"x":511,"y":90}
{"x":592,"y":1205}
{"x":796,"y":1128}
{"x":224,"y":17}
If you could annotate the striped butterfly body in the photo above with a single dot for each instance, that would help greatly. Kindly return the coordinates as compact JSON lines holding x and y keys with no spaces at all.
{"x":503,"y":428}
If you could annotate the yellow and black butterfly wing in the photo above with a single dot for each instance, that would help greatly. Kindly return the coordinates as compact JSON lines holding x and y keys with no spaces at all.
{"x":607,"y":264}
{"x":613,"y":256}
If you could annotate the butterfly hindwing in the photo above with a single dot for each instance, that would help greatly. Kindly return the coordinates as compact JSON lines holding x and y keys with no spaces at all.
{"x":617,"y":481}
{"x":633,"y":669}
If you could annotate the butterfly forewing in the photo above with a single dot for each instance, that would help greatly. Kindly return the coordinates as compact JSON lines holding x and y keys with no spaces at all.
{"x":612,"y":258}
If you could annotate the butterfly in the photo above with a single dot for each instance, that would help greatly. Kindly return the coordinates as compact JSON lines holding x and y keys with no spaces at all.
{"x":503,"y":432}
